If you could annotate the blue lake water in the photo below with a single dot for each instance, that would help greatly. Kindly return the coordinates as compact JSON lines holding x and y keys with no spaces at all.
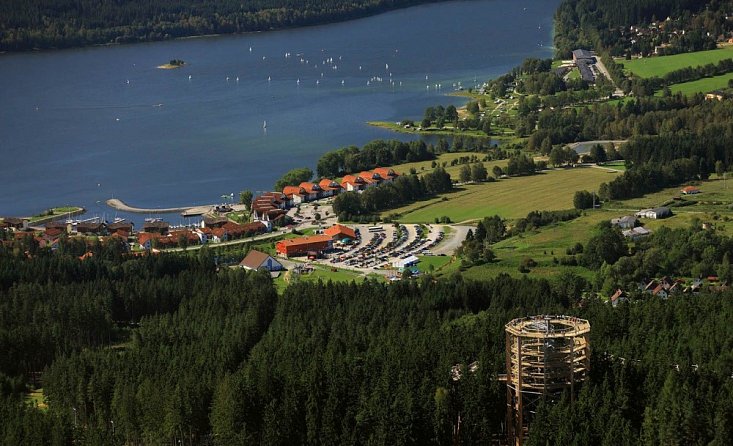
{"x":80,"y":126}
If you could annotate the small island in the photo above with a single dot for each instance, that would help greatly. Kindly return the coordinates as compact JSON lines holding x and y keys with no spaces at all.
{"x":173,"y":64}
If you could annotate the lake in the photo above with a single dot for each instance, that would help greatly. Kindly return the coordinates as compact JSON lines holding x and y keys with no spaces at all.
{"x":80,"y":126}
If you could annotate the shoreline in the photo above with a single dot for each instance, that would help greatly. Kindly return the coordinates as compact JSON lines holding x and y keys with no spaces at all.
{"x":358,"y":15}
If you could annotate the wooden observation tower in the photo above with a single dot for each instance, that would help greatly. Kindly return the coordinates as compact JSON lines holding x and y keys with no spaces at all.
{"x":545,"y":355}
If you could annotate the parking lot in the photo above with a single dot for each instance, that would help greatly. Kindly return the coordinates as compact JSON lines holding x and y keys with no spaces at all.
{"x":381,"y":245}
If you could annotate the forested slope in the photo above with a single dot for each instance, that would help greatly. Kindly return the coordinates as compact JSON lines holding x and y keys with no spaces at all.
{"x":160,"y":349}
{"x":28,"y":24}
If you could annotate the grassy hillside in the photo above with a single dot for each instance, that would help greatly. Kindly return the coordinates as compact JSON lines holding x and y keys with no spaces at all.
{"x":509,"y":198}
{"x":702,"y":85}
{"x":659,"y":66}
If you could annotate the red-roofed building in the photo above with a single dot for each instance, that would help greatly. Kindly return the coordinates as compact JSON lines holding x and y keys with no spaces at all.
{"x":352,"y":183}
{"x":312,"y":190}
{"x":303,"y":245}
{"x":340,"y":232}
{"x":370,"y":178}
{"x":329,"y":187}
{"x":386,"y":173}
{"x":690,"y":190}
{"x":295,"y":194}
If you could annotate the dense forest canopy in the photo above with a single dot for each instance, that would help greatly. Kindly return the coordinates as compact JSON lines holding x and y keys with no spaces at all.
{"x":164,"y":348}
{"x":28,"y":24}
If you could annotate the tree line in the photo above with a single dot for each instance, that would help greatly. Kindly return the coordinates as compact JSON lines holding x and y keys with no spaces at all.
{"x":26,"y":25}
{"x":402,"y":190}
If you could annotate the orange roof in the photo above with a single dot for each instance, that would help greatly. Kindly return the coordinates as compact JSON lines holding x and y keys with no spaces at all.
{"x":305,"y":240}
{"x":690,"y":189}
{"x":327,"y":184}
{"x":369,"y":177}
{"x":145,"y":236}
{"x":351,"y":179}
{"x":293,"y":190}
{"x":340,"y":231}
{"x":310,"y":187}
{"x":385,"y":172}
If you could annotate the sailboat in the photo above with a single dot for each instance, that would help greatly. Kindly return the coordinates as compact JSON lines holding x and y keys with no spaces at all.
{"x":264,"y":125}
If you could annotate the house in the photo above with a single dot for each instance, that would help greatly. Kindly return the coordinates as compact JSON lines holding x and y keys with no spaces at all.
{"x":15,"y":223}
{"x":656,"y":213}
{"x":329,"y":187}
{"x":340,"y":232}
{"x":158,"y":227}
{"x":257,"y":260}
{"x":717,"y":95}
{"x":618,"y":297}
{"x":636,"y":233}
{"x":95,"y":228}
{"x":690,"y":190}
{"x":122,"y":228}
{"x":386,"y":173}
{"x":213,"y":221}
{"x":145,"y":239}
{"x":295,"y":194}
{"x":660,"y":291}
{"x":304,"y":245}
{"x":353,"y":183}
{"x":55,"y":228}
{"x":312,"y":190}
{"x":371,"y":179}
{"x":626,"y":222}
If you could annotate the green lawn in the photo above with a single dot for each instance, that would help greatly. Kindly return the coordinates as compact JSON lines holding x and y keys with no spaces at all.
{"x":619,"y":165}
{"x":574,"y":74}
{"x":322,"y":273}
{"x":659,"y":66}
{"x":509,"y":198}
{"x":704,"y":85}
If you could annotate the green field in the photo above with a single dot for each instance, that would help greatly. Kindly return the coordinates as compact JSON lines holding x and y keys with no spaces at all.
{"x":659,"y":66}
{"x":425,"y":166}
{"x":713,"y":205}
{"x":322,"y":273}
{"x":542,"y":246}
{"x":509,"y":198}
{"x":437,"y":262}
{"x":704,"y":85}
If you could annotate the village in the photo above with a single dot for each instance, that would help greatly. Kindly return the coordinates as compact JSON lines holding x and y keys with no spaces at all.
{"x":299,"y":219}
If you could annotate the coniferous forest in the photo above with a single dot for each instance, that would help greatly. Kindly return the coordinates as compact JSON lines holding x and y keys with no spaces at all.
{"x":157,"y":349}
{"x":29,"y":24}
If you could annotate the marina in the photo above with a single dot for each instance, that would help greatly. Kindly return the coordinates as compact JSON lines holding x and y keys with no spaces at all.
{"x":116,"y":126}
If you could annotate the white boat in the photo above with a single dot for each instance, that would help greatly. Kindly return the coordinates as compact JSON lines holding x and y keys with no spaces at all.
{"x":264,"y":125}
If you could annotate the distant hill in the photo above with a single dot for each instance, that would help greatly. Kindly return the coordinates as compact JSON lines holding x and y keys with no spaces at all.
{"x":30,"y":24}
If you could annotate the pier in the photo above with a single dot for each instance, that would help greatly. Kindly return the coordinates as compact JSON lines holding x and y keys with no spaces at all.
{"x":186,"y":211}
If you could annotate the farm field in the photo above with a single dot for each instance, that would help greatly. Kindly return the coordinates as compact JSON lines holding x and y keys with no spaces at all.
{"x":659,"y":66}
{"x":509,"y":198}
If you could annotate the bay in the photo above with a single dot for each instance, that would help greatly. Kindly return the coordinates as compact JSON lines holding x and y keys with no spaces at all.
{"x":80,"y":126}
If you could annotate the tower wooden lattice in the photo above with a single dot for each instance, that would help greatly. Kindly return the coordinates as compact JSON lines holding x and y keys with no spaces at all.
{"x":545,"y":355}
